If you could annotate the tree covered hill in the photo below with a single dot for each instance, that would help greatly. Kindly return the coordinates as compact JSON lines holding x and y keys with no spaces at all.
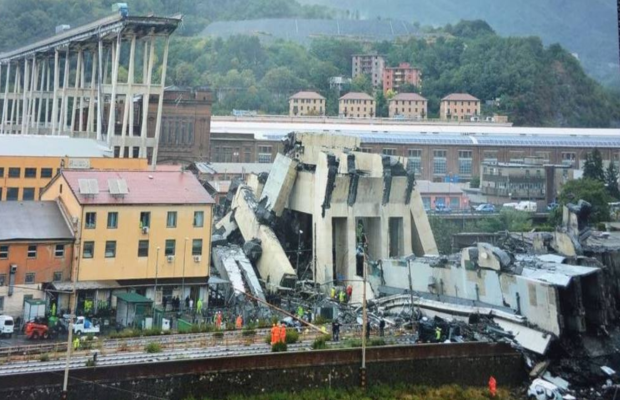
{"x":536,"y":85}
{"x":586,"y":27}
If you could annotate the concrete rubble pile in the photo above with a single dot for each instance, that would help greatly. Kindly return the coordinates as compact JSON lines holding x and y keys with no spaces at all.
{"x":327,"y":213}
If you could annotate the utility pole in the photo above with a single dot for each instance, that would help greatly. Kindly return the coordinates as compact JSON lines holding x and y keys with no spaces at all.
{"x":156,"y":273}
{"x":183,"y":280}
{"x":364,"y":323}
{"x":72,"y":310}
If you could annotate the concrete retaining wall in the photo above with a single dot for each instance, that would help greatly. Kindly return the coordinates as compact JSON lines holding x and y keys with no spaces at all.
{"x":468,"y":364}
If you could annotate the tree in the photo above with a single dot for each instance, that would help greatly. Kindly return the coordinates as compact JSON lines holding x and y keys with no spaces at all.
{"x":361,"y":83}
{"x":591,"y":190}
{"x":475,"y":182}
{"x":382,"y":105}
{"x":408,"y":88}
{"x":593,"y":166}
{"x":611,"y":180}
{"x":185,"y":74}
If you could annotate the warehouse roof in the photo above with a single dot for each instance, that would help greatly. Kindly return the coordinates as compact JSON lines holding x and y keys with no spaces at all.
{"x":32,"y":221}
{"x":51,"y":146}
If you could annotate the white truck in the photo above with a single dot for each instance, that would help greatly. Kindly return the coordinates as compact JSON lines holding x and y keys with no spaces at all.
{"x":7,"y":325}
{"x":83,"y":326}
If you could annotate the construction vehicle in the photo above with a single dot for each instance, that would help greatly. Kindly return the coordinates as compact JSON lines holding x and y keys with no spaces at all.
{"x":36,"y":329}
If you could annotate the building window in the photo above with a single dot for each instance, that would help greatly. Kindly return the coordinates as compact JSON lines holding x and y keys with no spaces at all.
{"x":15,"y":172}
{"x":197,"y":247}
{"x":415,"y":157}
{"x":57,"y":276}
{"x":427,"y":203}
{"x":170,"y":247}
{"x":91,"y":220}
{"x":440,"y":163}
{"x":568,"y":158}
{"x":143,"y":248}
{"x":517,"y":157}
{"x":199,"y":219}
{"x":46,"y":172}
{"x":365,"y":150}
{"x":112,"y":220}
{"x":465,"y":162}
{"x":29,"y":278}
{"x":171,"y":221}
{"x":30,"y":173}
{"x":32,"y":251}
{"x":490,"y":157}
{"x":12,"y":194}
{"x":1,"y":172}
{"x":59,"y":250}
{"x":264,"y":154}
{"x":389,"y":152}
{"x":455,"y":203}
{"x":1,"y":303}
{"x":4,"y":252}
{"x":89,"y":250}
{"x":2,"y":279}
{"x":145,"y":219}
{"x":28,"y":194}
{"x":110,"y":249}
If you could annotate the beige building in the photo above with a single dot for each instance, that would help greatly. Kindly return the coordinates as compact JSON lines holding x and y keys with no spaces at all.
{"x":306,"y":103}
{"x":459,"y":107}
{"x":371,"y":65}
{"x":357,"y":105}
{"x":408,"y":105}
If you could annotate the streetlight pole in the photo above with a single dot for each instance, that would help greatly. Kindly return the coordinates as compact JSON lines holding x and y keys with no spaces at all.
{"x":183,"y":280}
{"x":156,"y":273}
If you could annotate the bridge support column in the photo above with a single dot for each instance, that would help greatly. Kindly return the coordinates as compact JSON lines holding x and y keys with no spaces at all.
{"x":160,"y":105}
{"x":128,"y":99}
{"x":5,"y":103}
{"x":116,"y":54}
{"x":147,"y":77}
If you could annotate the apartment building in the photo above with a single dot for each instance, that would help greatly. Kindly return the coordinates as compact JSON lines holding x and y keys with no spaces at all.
{"x":394,"y":77}
{"x":371,"y":65}
{"x":148,"y":231}
{"x":437,"y":195}
{"x":28,"y":163}
{"x":531,"y":180}
{"x":36,"y":248}
{"x":357,"y":105}
{"x":459,"y":107}
{"x":408,"y":105}
{"x":306,"y":104}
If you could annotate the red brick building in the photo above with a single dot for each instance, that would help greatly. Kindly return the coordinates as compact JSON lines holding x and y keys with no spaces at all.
{"x":394,"y":77}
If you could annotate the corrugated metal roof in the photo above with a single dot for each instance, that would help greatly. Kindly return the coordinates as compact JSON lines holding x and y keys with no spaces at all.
{"x":51,"y":146}
{"x":145,"y":187}
{"x":233,"y":168}
{"x":34,"y":221}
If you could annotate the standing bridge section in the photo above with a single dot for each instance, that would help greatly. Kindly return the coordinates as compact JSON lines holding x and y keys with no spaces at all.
{"x":86,"y":82}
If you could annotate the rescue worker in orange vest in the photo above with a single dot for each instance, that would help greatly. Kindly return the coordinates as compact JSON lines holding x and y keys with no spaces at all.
{"x":282,"y":333}
{"x":275,"y":332}
{"x":218,"y":320}
{"x":239,"y":322}
{"x":492,"y":386}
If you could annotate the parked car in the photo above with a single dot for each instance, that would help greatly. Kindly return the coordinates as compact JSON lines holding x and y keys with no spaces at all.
{"x":441,"y":209}
{"x":529,"y":206}
{"x":485,"y":208}
{"x":540,"y":389}
{"x":7,"y":325}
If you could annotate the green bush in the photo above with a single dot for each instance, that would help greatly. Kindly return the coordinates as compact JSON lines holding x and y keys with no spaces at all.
{"x":90,"y":362}
{"x":319,"y":344}
{"x":321,"y":320}
{"x":292,"y":336}
{"x":153,"y":347}
{"x":44,"y":357}
{"x":218,"y":335}
{"x":268,"y":339}
{"x":247,"y":331}
{"x":278,"y":347}
{"x":377,"y":342}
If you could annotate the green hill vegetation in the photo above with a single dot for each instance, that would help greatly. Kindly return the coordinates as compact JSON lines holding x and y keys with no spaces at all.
{"x":531,"y":83}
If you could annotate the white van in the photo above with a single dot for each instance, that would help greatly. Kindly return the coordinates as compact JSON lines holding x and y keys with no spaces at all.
{"x":6,"y":325}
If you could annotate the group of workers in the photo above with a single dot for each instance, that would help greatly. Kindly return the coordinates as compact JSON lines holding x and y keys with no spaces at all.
{"x":218,"y":320}
{"x":342,"y":295}
{"x":278,"y":334}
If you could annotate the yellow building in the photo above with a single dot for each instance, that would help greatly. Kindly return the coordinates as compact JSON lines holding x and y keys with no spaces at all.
{"x":138,"y":228}
{"x":306,"y":104}
{"x":28,"y":163}
{"x":357,"y":105}
{"x":459,"y":107}
{"x":408,"y":105}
